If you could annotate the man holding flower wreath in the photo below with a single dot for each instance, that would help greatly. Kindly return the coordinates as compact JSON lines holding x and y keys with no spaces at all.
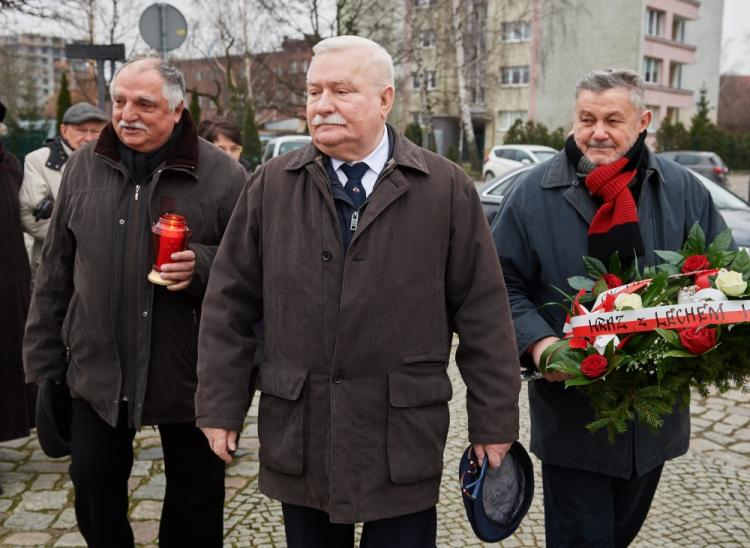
{"x":606,"y":192}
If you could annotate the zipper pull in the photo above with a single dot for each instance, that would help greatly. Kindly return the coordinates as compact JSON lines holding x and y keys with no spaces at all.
{"x":137,"y":190}
{"x":355,"y":220}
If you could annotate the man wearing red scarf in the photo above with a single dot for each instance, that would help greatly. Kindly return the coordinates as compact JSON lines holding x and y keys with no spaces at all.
{"x":604,"y":193}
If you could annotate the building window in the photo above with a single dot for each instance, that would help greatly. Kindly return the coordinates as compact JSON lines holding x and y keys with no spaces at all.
{"x":654,"y":22}
{"x":293,"y":67}
{"x":654,"y":125}
{"x":678,"y":29}
{"x":675,"y":75}
{"x":424,"y":3}
{"x":515,"y":76}
{"x":506,"y":118}
{"x":428,"y":39}
{"x":198,"y":76}
{"x":651,"y":69}
{"x":516,"y":31}
{"x":430,"y":77}
{"x":673,"y":114}
{"x":477,"y":95}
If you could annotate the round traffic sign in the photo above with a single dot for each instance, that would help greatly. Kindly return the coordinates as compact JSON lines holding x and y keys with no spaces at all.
{"x":163,"y":27}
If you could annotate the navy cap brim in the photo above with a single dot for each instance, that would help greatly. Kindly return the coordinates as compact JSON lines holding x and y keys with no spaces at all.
{"x":514,"y":478}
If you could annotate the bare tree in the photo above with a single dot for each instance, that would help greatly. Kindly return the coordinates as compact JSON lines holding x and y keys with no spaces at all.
{"x":459,"y":17}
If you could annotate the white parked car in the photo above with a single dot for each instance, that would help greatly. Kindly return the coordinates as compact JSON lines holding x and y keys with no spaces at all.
{"x":285,"y":143}
{"x":505,"y":158}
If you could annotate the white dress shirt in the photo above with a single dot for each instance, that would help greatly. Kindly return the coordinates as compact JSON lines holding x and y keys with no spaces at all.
{"x":375,"y":163}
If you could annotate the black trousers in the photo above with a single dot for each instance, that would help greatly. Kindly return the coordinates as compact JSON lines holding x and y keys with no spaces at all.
{"x":101,"y":461}
{"x":585,"y":509}
{"x":310,"y":528}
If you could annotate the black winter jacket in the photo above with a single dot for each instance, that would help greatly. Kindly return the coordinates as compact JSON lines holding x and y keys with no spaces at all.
{"x":541,"y":236}
{"x":92,"y":301}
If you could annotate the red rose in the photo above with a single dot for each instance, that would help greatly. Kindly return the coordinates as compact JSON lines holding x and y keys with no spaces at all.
{"x":698,"y":340}
{"x":612,"y":281}
{"x":695,"y":262}
{"x":578,"y":342}
{"x":594,"y":365}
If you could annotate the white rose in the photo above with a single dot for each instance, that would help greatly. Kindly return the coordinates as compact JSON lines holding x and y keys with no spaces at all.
{"x":628,"y":301}
{"x":731,"y":283}
{"x":601,"y":342}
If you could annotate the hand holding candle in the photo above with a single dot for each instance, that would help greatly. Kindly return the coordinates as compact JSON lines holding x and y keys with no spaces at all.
{"x":179,"y":272}
{"x":174,"y":263}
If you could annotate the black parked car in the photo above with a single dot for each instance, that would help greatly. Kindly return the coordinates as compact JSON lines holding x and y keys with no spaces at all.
{"x":735,"y":210}
{"x":708,"y":164}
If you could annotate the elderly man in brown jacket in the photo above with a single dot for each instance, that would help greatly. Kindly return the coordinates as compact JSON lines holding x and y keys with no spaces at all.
{"x":363,"y":253}
{"x":125,"y":347}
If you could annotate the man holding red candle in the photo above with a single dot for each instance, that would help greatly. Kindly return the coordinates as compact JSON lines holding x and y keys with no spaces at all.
{"x":363,"y":253}
{"x":125,"y":346}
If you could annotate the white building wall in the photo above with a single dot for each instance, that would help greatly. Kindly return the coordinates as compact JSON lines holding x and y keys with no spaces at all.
{"x":590,"y":35}
{"x":705,"y":32}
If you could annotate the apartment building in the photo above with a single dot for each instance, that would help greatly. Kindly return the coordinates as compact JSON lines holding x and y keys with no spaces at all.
{"x":39,"y":60}
{"x":533,"y":51}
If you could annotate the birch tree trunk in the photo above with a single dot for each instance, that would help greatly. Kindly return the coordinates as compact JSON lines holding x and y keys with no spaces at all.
{"x":463,"y":101}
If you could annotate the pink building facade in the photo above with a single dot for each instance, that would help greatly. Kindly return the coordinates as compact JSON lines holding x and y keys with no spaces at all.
{"x":665,"y":56}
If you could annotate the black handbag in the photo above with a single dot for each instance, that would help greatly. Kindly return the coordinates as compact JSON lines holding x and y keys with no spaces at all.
{"x":53,"y":414}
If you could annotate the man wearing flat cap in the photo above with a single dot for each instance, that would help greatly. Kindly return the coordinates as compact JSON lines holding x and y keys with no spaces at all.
{"x":43,"y":169}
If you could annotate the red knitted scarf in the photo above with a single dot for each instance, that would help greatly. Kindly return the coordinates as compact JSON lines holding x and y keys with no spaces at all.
{"x":610,"y":183}
{"x":614,"y":227}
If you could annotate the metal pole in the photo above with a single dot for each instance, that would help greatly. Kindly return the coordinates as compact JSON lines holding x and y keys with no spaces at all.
{"x":163,"y":30}
{"x":100,"y":82}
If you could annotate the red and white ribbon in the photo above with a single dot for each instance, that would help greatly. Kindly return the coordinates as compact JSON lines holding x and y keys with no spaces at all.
{"x":674,"y":316}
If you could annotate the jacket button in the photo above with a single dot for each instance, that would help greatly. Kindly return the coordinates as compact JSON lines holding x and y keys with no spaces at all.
{"x":326,"y":256}
{"x":337,"y":378}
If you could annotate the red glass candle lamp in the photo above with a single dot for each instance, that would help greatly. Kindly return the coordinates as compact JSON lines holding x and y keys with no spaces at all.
{"x":170,"y":234}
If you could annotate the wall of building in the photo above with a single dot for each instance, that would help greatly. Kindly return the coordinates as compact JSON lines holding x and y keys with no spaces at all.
{"x":705,"y":32}
{"x":504,"y":101}
{"x":577,"y":40}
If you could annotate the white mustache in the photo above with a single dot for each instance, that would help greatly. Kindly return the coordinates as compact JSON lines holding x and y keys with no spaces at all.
{"x":333,"y":119}
{"x":131,"y":125}
{"x":600,"y":144}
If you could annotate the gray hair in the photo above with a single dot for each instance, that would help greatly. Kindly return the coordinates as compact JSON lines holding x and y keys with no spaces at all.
{"x":599,"y":81}
{"x":380,"y":59}
{"x":173,"y":88}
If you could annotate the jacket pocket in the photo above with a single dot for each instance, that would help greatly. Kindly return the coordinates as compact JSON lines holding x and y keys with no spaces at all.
{"x":418,"y":420}
{"x":68,"y":323}
{"x":426,"y":360}
{"x":282,"y":417}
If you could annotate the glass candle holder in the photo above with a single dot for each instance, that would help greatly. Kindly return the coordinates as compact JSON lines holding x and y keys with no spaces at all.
{"x":170,"y":234}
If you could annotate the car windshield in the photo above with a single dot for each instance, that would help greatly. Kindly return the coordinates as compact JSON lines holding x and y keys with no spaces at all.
{"x":504,"y":185}
{"x":723,"y":198}
{"x":291,"y":145}
{"x":544,"y":155}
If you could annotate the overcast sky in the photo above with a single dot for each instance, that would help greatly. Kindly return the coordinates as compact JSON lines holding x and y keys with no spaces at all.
{"x":735,"y":33}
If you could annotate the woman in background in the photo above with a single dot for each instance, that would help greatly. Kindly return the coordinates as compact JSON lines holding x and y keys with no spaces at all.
{"x":226,"y":135}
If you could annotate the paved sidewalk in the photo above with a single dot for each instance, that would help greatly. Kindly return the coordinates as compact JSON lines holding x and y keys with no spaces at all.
{"x":703,"y":498}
